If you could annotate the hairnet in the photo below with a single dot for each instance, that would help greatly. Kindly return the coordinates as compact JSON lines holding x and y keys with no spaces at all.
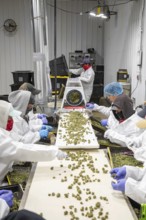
{"x":113,"y":89}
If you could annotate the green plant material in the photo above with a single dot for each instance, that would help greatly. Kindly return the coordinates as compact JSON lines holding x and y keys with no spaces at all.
{"x":19,"y":176}
{"x":120,"y":159}
{"x":16,"y":203}
{"x":58,"y":195}
{"x":76,"y":132}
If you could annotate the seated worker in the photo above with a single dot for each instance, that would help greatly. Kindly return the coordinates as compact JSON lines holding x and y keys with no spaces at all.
{"x":130,"y":133}
{"x":131,"y":181}
{"x":13,"y":151}
{"x":24,"y":130}
{"x":6,"y":202}
{"x":121,"y":105}
{"x":29,"y":87}
{"x":86,"y":75}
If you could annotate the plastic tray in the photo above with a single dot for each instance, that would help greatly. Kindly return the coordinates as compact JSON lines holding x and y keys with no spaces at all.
{"x":16,"y":189}
{"x":125,"y":157}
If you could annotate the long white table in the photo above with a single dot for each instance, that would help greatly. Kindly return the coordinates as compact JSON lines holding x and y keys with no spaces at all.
{"x":88,"y":136}
{"x":56,"y":176}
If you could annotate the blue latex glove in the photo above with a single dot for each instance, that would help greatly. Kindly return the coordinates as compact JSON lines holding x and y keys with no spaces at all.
{"x":118,"y":172}
{"x":40,"y":116}
{"x":45,"y":121}
{"x":89,"y":105}
{"x":104,"y":122}
{"x":44,"y":134}
{"x":47,"y":127}
{"x":120,"y":185}
{"x":61,"y":155}
{"x":7,"y":195}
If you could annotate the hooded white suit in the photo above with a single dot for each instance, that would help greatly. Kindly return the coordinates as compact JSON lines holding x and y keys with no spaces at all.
{"x":26,"y":132}
{"x":11,"y":151}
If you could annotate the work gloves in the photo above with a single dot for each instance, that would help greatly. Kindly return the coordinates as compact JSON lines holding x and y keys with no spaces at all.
{"x":47,"y":127}
{"x":7,"y":195}
{"x":89,"y":105}
{"x":43,"y":118}
{"x":119,"y":174}
{"x":104,"y":122}
{"x":61,"y":155}
{"x":120,"y":185}
{"x":44,"y":134}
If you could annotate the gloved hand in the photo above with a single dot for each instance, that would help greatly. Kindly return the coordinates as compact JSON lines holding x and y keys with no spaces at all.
{"x":7,"y":195}
{"x":47,"y":127}
{"x":44,"y":134}
{"x":61,"y":155}
{"x":89,"y":105}
{"x":118,"y":172}
{"x":104,"y":122}
{"x":120,"y":185}
{"x":45,"y":121}
{"x":40,"y":116}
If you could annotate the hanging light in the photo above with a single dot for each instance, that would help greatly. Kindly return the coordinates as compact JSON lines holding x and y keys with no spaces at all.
{"x":102,"y":12}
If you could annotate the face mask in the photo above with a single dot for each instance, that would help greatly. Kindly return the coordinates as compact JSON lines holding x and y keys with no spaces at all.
{"x":86,"y":66}
{"x":9,"y":124}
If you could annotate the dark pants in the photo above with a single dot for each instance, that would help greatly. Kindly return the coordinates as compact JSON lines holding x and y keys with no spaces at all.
{"x":23,"y":215}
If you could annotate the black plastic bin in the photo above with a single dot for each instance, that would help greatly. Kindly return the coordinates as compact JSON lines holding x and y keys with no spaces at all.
{"x":17,"y":193}
{"x":4,"y":97}
{"x":23,"y":76}
{"x":15,"y":87}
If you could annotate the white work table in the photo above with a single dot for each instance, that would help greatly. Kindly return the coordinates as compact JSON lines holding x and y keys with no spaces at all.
{"x":79,"y":140}
{"x":56,"y":176}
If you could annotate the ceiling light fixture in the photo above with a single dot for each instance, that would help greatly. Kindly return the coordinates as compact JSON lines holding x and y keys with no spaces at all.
{"x":102,"y":12}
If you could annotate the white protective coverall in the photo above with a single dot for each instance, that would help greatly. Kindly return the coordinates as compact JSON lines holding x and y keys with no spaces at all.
{"x":107,"y":111}
{"x":26,"y":132}
{"x":126,"y":134}
{"x":87,"y":79}
{"x":11,"y":151}
{"x":4,"y":208}
{"x":19,"y":100}
{"x":135,"y":186}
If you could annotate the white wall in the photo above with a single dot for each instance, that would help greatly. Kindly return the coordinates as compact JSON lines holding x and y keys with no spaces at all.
{"x":121,"y":46}
{"x":75,"y":32}
{"x":15,"y":48}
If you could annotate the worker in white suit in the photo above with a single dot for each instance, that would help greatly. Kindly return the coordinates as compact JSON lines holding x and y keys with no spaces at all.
{"x":23,"y":101}
{"x":31,"y":116}
{"x":121,"y":105}
{"x":86,"y":75}
{"x":26,"y":131}
{"x":131,"y":181}
{"x":11,"y":150}
{"x":130,"y":132}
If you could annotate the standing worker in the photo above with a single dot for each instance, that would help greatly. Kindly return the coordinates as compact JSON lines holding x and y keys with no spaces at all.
{"x":86,"y":75}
